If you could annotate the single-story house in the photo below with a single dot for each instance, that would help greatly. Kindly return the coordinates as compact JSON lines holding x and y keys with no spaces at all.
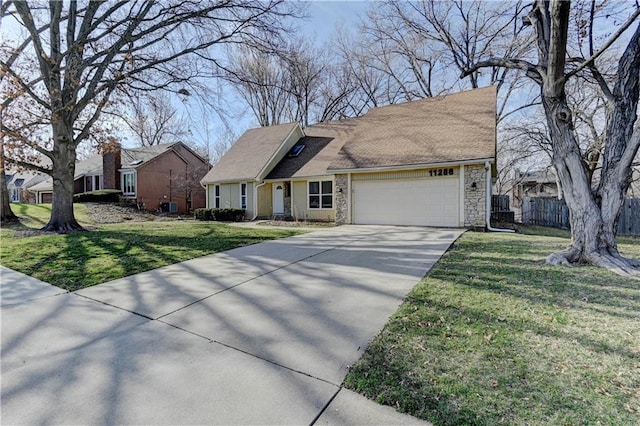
{"x":164,"y":176}
{"x":19,"y":184}
{"x":427,"y":162}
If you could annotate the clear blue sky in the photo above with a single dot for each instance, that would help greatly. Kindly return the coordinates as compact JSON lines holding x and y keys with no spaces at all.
{"x":324,"y":15}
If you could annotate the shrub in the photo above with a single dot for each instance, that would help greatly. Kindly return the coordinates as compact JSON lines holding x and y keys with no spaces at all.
{"x":101,"y":196}
{"x":202,"y":214}
{"x":221,"y":215}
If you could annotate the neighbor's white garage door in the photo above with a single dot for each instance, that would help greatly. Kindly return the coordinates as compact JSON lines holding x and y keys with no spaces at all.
{"x":421,"y":202}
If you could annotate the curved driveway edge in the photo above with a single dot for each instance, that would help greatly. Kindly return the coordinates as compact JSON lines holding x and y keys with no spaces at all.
{"x":262,"y":334}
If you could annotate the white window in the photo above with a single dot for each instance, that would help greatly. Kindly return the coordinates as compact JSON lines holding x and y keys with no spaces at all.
{"x":243,"y":196}
{"x":129,"y":184}
{"x":216,"y":196}
{"x":321,"y":194}
{"x":15,"y":195}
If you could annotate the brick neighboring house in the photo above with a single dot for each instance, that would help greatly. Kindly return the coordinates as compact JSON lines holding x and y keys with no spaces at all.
{"x":149,"y":176}
{"x":427,"y":162}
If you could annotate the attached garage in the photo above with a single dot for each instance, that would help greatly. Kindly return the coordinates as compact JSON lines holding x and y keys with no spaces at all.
{"x":420,"y":198}
{"x":46,"y":197}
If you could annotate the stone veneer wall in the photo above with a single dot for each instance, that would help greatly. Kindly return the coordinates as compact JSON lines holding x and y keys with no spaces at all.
{"x":342,"y":199}
{"x":474,"y":200}
{"x":287,"y":206}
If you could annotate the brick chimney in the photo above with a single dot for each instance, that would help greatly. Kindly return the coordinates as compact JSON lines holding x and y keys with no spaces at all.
{"x":111,"y":162}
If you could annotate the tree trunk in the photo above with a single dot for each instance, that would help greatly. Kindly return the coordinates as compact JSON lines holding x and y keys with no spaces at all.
{"x":593,"y":224}
{"x":64,"y":164}
{"x":6,"y":214}
{"x":594,"y":214}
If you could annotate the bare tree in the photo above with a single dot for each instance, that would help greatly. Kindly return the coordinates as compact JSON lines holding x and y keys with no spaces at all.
{"x":525,"y":136}
{"x":306,"y":66}
{"x":402,"y":53}
{"x":152,"y":119}
{"x":524,"y":146}
{"x":337,"y":94}
{"x":222,"y":145}
{"x":281,"y":86}
{"x":372,"y":85}
{"x":262,"y":82}
{"x":72,"y":57}
{"x":418,"y":43}
{"x":594,"y":211}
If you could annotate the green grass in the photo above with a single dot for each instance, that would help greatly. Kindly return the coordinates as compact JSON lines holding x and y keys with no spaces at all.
{"x":37,"y":215}
{"x":83,"y":259}
{"x":493,"y":336}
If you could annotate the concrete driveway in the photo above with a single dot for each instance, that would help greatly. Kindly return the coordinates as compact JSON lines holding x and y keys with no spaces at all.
{"x":262,"y":334}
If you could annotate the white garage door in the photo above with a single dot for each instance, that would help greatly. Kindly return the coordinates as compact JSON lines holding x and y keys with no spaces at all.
{"x":421,"y":202}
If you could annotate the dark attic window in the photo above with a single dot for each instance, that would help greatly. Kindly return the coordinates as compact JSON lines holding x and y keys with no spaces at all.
{"x":296,"y":150}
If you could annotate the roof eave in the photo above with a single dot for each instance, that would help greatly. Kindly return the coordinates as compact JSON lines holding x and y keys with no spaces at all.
{"x":266,"y":169}
{"x":225,"y":181}
{"x":300,"y":178}
{"x":412,"y":166}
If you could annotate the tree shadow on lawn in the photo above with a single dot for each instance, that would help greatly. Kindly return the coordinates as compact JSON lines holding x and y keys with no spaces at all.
{"x":461,"y":364}
{"x":87,"y":258}
{"x":553,"y":286}
{"x":493,"y":334}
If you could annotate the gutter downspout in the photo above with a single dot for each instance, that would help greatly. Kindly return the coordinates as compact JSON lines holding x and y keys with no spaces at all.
{"x":487,"y":168}
{"x":255,"y":199}
{"x":206,"y":193}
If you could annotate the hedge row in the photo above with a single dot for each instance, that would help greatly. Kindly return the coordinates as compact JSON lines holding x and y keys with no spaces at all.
{"x":101,"y":196}
{"x":222,"y":215}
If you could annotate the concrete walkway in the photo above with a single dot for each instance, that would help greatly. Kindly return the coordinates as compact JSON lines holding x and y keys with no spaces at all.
{"x":262,"y":334}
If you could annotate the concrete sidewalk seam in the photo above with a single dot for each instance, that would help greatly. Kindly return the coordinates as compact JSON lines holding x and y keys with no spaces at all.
{"x":208,"y":339}
{"x":110,"y":305}
{"x":273,"y":362}
{"x":313,"y":422}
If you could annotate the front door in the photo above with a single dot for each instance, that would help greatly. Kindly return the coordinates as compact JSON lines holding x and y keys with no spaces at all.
{"x":278,"y":198}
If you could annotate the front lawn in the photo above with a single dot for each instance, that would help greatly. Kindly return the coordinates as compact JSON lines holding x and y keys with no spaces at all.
{"x":83,"y":259}
{"x":493,"y":335}
{"x":37,"y":215}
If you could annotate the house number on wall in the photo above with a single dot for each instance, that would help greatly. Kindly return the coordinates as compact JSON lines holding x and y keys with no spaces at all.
{"x":441,"y":172}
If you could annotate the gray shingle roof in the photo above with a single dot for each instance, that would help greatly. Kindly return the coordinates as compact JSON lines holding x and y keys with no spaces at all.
{"x":90,"y":166}
{"x":135,"y":157}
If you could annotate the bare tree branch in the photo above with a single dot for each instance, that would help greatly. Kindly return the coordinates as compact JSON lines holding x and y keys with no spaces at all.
{"x":589,"y":61}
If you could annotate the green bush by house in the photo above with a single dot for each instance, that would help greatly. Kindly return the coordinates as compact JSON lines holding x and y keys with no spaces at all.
{"x":220,"y":215}
{"x":101,"y":196}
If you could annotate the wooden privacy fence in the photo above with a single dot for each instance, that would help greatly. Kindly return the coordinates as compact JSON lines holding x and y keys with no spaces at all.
{"x":629,"y":223}
{"x":554,"y":212}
